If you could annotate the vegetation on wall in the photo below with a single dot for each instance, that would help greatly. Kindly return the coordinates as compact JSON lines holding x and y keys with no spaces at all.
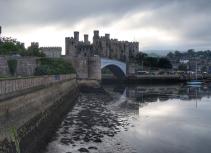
{"x":50,"y":66}
{"x":12,"y":64}
{"x":15,"y":138}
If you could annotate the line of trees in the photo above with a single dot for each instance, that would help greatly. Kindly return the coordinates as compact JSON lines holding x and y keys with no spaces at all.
{"x":153,"y":62}
{"x":10,"y":46}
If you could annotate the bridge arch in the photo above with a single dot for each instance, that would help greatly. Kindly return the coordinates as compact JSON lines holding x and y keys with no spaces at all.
{"x":118,"y":68}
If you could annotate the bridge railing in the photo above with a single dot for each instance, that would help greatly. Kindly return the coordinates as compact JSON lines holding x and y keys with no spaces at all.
{"x":8,"y":86}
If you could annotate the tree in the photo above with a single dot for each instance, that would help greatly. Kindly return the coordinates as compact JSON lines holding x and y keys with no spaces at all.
{"x":164,"y":63}
{"x":151,"y":61}
{"x":12,"y":64}
{"x":177,"y":54}
{"x":33,"y":51}
{"x":182,"y":67}
{"x":140,"y":57}
{"x":191,"y":51}
{"x":170,"y":55}
{"x":11,"y":46}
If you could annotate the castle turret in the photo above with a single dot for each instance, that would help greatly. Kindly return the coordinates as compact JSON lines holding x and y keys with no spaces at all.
{"x":96,"y":43}
{"x":107,"y":36}
{"x":76,"y":36}
{"x":96,"y":33}
{"x":34,"y":44}
{"x":86,"y":39}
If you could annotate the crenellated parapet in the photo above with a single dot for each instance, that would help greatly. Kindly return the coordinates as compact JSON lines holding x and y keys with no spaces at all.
{"x":52,"y":52}
{"x":103,"y":46}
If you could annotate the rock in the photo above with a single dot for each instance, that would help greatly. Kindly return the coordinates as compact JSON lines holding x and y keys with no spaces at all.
{"x":110,"y":134}
{"x":97,"y":140}
{"x":83,"y":150}
{"x":66,"y":141}
{"x":92,"y":148}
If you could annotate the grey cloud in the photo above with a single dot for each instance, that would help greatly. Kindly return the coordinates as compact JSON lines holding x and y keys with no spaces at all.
{"x":189,"y":19}
{"x":67,"y":11}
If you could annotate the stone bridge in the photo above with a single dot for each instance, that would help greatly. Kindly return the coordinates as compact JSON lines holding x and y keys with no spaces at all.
{"x":118,"y":68}
{"x":90,"y":67}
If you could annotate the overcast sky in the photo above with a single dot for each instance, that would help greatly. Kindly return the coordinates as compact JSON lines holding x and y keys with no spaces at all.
{"x":156,"y":24}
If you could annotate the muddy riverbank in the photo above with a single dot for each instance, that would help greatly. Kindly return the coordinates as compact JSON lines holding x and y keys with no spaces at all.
{"x":90,"y":126}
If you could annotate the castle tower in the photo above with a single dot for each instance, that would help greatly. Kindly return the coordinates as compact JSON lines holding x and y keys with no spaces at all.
{"x":86,"y":39}
{"x":107,"y":36}
{"x":35,"y":44}
{"x":96,"y":34}
{"x":67,"y":46}
{"x":96,"y":42}
{"x":76,"y":36}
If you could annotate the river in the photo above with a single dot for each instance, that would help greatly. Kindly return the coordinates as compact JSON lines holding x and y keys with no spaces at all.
{"x":138,"y":119}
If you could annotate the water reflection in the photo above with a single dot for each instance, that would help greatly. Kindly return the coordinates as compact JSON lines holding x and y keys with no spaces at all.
{"x":166,"y":118}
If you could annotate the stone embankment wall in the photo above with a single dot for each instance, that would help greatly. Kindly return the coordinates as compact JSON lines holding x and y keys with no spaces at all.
{"x":36,"y":111}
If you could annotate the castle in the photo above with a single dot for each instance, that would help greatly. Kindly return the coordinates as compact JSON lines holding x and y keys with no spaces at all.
{"x":102,"y":46}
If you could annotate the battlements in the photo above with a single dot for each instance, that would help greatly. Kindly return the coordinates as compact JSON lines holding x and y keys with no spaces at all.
{"x":102,"y":45}
{"x":52,"y":52}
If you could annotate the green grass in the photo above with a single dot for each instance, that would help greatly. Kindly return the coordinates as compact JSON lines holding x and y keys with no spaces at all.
{"x":15,"y":139}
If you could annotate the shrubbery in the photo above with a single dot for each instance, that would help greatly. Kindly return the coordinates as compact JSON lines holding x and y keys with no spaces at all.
{"x":12,"y":64}
{"x":53,"y":66}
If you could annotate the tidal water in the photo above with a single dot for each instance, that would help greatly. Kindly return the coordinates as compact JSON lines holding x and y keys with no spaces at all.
{"x":138,"y":119}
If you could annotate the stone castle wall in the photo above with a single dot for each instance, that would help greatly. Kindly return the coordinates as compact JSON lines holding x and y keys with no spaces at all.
{"x":52,"y":52}
{"x":25,"y":65}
